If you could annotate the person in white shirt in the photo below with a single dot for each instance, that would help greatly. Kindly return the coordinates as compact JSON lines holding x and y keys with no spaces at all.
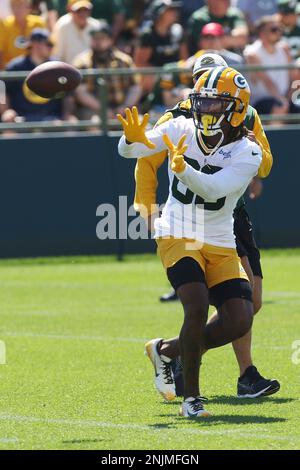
{"x":71,"y":33}
{"x":210,"y":168}
{"x":269,"y":89}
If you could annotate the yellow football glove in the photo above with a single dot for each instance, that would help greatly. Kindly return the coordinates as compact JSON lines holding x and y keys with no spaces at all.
{"x":176,"y":153}
{"x":134,"y":130}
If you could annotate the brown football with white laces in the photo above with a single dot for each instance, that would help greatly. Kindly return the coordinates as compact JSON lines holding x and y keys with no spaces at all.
{"x":53,"y":79}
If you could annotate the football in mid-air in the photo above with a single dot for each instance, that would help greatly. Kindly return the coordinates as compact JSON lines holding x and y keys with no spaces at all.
{"x":53,"y":79}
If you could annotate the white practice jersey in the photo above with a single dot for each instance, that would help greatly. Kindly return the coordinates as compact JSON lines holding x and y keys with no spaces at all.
{"x":203,"y":197}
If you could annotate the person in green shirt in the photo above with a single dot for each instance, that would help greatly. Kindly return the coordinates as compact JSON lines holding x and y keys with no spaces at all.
{"x":218,"y":11}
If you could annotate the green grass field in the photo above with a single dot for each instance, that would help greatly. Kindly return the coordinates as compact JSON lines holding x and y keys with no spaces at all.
{"x":76,"y":376}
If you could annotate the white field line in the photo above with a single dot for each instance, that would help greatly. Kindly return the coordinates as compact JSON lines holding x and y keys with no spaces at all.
{"x":8,"y":440}
{"x":283,"y":293}
{"x":234,"y":433}
{"x":28,"y":334}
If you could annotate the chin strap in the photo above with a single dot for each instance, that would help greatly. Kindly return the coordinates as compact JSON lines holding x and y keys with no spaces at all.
{"x":208,"y":150}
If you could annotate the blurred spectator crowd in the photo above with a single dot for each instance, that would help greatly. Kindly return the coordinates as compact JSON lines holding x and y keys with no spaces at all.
{"x":145,"y":33}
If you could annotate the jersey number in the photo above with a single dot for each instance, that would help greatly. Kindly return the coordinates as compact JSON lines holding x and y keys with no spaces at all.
{"x":188,"y":196}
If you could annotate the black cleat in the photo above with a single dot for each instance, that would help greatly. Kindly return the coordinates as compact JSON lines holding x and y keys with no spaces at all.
{"x":176,"y":366}
{"x":253,"y":385}
{"x":169,"y":297}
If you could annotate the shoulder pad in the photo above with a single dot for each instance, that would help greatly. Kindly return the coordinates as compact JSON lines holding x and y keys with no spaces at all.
{"x":166,"y":117}
{"x":183,"y":108}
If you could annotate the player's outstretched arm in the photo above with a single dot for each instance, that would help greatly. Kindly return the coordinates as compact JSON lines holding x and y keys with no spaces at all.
{"x":134,"y":129}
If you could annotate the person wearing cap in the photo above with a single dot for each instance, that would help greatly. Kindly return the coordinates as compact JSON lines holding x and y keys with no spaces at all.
{"x":71,"y":34}
{"x":16,"y":30}
{"x":160,"y":40}
{"x":123,"y":91}
{"x":218,"y":11}
{"x":20,"y":102}
{"x":288,"y":16}
{"x":213,"y":37}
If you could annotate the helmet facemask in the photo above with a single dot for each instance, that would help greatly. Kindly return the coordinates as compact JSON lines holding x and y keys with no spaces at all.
{"x":212,"y":112}
{"x":210,"y":109}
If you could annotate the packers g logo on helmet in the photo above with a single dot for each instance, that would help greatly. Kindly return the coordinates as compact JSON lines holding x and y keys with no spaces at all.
{"x":240,"y":81}
{"x":220,"y":93}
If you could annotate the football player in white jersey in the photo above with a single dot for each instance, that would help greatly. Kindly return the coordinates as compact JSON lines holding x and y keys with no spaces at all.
{"x":210,"y":168}
{"x":250,"y":384}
